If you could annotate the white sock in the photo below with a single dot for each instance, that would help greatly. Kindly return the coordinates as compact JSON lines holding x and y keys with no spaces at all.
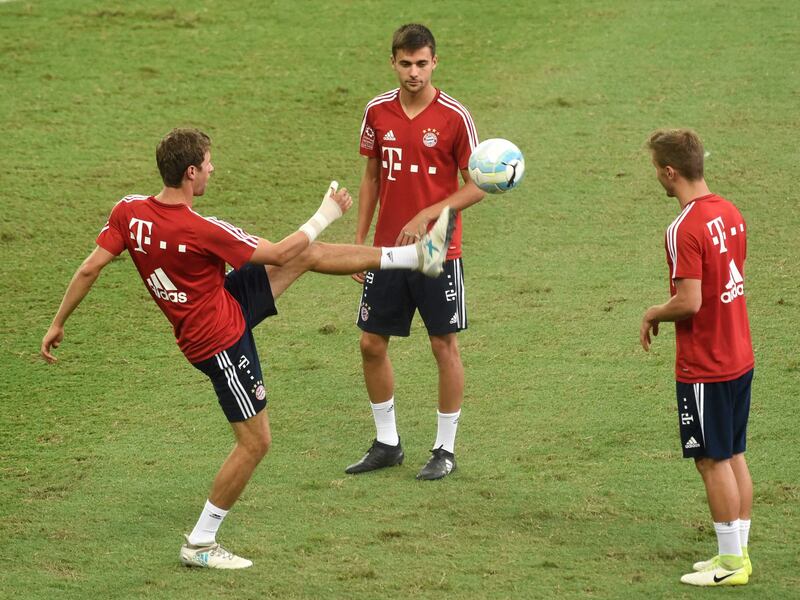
{"x":385,"y":425}
{"x":205,"y":532}
{"x":744,"y":532}
{"x":446,"y":431}
{"x":400,"y":257}
{"x":728,"y":537}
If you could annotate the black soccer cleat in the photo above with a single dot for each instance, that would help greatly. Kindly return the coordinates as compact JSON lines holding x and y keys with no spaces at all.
{"x":379,"y":455}
{"x":441,"y":464}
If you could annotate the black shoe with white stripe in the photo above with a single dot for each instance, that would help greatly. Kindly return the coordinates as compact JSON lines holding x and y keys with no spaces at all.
{"x":379,"y":455}
{"x":441,"y":464}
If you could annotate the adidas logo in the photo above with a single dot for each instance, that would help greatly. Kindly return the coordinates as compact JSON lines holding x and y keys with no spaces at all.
{"x":454,"y":319}
{"x":735,"y":286}
{"x":163,"y":288}
{"x":692,"y":443}
{"x":389,"y":137}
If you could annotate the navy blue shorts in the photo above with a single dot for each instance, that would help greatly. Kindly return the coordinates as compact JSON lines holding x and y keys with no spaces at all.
{"x":390,"y":299}
{"x":713,"y":417}
{"x":235,"y":372}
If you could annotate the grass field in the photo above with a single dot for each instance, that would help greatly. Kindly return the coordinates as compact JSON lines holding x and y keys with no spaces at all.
{"x":570,"y":480}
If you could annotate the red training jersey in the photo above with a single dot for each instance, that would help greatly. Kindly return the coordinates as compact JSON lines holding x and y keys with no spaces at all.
{"x":181,"y":258}
{"x":708,"y":241}
{"x":420,"y":159}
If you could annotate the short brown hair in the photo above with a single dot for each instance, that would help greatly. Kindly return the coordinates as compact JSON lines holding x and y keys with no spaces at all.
{"x":178,"y":150}
{"x":680,"y":149}
{"x":411,"y":37}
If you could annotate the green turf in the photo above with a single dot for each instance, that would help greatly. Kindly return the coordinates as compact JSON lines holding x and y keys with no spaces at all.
{"x":570,"y":481}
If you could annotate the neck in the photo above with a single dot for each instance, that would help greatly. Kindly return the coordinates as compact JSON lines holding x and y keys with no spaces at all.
{"x":417,"y":100}
{"x":690,"y":190}
{"x":171,"y":195}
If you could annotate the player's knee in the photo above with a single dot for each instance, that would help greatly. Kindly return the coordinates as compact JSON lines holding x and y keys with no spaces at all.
{"x":706,"y":465}
{"x":261,"y":444}
{"x":312,"y":255}
{"x":445,"y":347}
{"x":256,"y":445}
{"x":373,"y":347}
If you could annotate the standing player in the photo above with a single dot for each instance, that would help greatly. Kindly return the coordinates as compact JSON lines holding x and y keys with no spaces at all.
{"x":417,"y":140}
{"x":706,"y":250}
{"x":181,"y":258}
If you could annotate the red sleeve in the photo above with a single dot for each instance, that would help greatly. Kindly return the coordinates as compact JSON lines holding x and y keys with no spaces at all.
{"x":228,"y":242}
{"x":368,"y":146}
{"x":111,"y":236}
{"x":688,"y":255}
{"x":462,"y":146}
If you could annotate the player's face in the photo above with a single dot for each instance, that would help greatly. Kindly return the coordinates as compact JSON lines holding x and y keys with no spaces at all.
{"x":665,"y":178}
{"x":414,"y":68}
{"x":201,"y":176}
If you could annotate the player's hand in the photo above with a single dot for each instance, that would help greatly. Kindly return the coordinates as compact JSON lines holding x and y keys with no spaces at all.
{"x":343,"y":199}
{"x":648,"y":324}
{"x":413,"y":230}
{"x":359,"y":277}
{"x":52,"y":339}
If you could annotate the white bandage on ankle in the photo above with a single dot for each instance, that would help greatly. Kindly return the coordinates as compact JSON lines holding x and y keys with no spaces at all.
{"x":326,"y":214}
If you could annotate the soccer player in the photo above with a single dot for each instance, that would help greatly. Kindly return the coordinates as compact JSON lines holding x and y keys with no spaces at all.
{"x":706,"y":250}
{"x":417,"y":140}
{"x":181,"y":258}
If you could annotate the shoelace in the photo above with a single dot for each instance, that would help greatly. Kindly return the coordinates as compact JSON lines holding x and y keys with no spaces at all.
{"x":218,"y":550}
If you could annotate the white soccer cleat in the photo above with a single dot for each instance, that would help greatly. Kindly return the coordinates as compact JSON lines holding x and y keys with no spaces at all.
{"x":713,"y":563}
{"x":432,"y":248}
{"x":717,"y":576}
{"x":212,"y":556}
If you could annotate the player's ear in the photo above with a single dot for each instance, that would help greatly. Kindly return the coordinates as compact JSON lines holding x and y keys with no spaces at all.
{"x":434,"y":61}
{"x":191,"y":172}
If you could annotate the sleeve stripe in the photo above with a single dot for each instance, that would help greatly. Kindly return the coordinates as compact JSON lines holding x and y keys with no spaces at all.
{"x":672,"y":238}
{"x":452,"y":104}
{"x":133,"y":198}
{"x":385,"y":97}
{"x":236,"y":232}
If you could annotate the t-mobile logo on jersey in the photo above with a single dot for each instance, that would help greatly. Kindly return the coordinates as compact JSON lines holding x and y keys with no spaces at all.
{"x":138,"y":233}
{"x":719,"y":239}
{"x":735,"y":285}
{"x":391,"y":162}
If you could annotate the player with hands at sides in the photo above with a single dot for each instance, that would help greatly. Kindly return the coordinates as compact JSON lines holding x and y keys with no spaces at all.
{"x":706,"y":247}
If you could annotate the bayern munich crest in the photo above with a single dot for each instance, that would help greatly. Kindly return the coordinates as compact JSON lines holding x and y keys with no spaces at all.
{"x":430,"y":136}
{"x":261,"y":393}
{"x":364,"y":312}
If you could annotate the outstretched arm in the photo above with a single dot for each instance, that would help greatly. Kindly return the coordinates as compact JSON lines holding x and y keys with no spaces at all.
{"x":81,"y":283}
{"x":334,"y":205}
{"x":467,"y":195}
{"x":684,"y":304}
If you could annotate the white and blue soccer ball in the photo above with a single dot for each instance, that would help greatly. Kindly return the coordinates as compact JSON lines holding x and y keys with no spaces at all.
{"x":496,"y":166}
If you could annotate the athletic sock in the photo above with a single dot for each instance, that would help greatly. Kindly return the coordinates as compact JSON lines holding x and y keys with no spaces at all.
{"x":730,"y":548}
{"x":446,"y":430}
{"x":744,"y":532}
{"x":385,"y":425}
{"x":400,"y":257}
{"x":205,"y":532}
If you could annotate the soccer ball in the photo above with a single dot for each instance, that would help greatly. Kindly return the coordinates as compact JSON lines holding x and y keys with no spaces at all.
{"x":496,"y":166}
